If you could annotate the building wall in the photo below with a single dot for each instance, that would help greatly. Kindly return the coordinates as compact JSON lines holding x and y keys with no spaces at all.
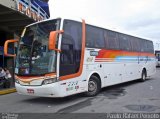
{"x":6,"y":33}
{"x":9,"y":3}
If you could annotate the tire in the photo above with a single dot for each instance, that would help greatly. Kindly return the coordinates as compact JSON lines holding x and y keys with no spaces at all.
{"x":143,"y":76}
{"x":94,"y":86}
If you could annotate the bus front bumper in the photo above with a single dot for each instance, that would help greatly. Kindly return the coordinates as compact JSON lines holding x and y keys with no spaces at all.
{"x":49,"y":90}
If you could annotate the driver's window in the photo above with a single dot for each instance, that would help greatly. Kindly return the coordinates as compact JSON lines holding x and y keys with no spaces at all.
{"x":71,"y":48}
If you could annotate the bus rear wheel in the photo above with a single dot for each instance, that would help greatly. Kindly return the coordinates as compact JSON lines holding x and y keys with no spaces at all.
{"x":93,"y":86}
{"x":143,"y":76}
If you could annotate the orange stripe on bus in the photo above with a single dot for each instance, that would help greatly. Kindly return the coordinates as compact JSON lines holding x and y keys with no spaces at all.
{"x":28,"y":79}
{"x":114,"y":53}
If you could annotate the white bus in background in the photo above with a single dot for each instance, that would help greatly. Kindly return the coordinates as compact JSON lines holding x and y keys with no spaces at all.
{"x":75,"y":57}
{"x":157,"y":54}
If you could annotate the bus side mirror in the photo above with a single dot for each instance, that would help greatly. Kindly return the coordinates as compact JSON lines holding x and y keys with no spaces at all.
{"x":6,"y":48}
{"x":53,"y":38}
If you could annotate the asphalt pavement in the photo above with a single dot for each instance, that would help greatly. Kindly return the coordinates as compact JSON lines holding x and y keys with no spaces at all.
{"x":130,"y":97}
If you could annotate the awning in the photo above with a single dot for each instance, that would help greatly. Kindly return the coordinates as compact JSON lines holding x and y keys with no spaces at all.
{"x":13,"y":21}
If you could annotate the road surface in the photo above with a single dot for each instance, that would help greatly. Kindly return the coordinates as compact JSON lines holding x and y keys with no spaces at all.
{"x":135,"y":96}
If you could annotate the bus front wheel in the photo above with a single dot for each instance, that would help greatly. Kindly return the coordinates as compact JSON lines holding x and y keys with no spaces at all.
{"x":93,"y":86}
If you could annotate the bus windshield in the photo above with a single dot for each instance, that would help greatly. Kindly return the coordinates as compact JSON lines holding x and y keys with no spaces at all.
{"x":34,"y":57}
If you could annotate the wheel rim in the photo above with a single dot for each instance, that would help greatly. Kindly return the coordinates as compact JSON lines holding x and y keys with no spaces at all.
{"x":92,"y":86}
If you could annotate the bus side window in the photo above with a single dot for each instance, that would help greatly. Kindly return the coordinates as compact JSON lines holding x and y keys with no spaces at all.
{"x":135,"y":44}
{"x":89,"y":42}
{"x":111,"y":40}
{"x":142,"y":45}
{"x":150,"y":47}
{"x":124,"y":42}
{"x":94,"y":37}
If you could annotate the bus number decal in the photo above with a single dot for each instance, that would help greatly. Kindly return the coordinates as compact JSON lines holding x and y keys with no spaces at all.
{"x":89,"y":59}
{"x":72,"y":86}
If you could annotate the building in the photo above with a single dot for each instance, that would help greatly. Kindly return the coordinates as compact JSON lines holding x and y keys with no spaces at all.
{"x":14,"y":16}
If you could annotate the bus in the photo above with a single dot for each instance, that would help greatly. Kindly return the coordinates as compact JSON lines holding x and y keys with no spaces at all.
{"x":71,"y":56}
{"x":157,"y":54}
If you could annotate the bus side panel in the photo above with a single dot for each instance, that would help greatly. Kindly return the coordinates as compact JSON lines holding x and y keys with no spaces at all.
{"x":131,"y":71}
{"x":91,"y":66}
{"x":74,"y":85}
{"x":112,"y":73}
{"x":131,"y":66}
{"x":151,"y":67}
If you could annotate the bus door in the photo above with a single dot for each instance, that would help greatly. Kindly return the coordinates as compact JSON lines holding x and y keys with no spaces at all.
{"x":67,"y":62}
{"x":71,"y":45}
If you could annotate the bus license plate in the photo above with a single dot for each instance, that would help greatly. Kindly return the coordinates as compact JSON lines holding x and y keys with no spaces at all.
{"x":30,"y":91}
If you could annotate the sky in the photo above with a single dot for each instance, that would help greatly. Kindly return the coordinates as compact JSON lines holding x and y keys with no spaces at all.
{"x":139,"y":18}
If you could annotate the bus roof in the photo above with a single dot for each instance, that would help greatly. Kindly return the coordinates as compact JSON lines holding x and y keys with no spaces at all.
{"x":80,"y":20}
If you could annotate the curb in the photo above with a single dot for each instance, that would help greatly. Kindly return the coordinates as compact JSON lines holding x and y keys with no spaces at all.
{"x":7,"y":91}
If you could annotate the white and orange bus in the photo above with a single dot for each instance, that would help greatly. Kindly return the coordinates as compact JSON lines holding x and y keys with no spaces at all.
{"x":62,"y":57}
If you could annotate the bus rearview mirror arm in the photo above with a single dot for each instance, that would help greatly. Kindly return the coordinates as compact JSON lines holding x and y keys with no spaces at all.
{"x":6,"y":48}
{"x":52,"y":40}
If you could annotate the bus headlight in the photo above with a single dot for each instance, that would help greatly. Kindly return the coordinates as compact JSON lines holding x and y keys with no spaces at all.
{"x":49,"y":81}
